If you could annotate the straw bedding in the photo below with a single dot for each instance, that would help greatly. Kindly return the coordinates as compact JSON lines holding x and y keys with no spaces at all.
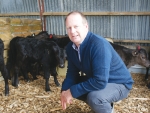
{"x":31,"y":98}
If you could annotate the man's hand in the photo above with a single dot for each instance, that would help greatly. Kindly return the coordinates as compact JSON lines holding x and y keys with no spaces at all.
{"x":66,"y":98}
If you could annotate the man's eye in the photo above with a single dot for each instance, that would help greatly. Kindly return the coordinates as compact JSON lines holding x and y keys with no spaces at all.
{"x":76,"y":27}
{"x":68,"y":28}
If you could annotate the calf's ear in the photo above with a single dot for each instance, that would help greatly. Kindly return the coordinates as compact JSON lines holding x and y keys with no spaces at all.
{"x":134,"y":52}
{"x":65,"y":53}
{"x":55,"y":48}
{"x":138,"y":47}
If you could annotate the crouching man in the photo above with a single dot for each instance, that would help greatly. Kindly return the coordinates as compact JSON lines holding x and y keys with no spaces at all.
{"x":106,"y":78}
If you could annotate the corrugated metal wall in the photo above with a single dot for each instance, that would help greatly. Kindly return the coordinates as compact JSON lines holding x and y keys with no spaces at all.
{"x":19,"y":6}
{"x":117,"y":27}
{"x":12,"y":6}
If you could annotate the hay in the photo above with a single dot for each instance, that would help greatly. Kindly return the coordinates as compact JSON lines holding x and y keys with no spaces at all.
{"x":31,"y":98}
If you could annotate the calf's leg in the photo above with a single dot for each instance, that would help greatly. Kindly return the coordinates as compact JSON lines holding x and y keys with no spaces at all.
{"x":54,"y":74}
{"x":5,"y":76}
{"x":14,"y":79}
{"x":46,"y":77}
{"x":146,"y":76}
{"x":47,"y":88}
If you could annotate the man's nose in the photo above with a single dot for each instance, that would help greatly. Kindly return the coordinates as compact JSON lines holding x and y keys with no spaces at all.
{"x":72,"y":30}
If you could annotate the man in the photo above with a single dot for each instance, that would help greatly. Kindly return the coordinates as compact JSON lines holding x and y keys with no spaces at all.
{"x":106,"y":78}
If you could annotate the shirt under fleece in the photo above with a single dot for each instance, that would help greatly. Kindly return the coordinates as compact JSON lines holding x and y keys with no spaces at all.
{"x":99,"y":61}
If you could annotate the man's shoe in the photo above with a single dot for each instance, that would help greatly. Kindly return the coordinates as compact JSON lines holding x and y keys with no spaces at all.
{"x":113,"y":110}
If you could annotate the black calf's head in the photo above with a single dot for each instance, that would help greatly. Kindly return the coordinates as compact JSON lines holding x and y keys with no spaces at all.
{"x":42,"y":35}
{"x":60,"y":55}
{"x":141,"y":56}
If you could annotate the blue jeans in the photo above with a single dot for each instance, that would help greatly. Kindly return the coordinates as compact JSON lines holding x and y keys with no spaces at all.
{"x":100,"y":100}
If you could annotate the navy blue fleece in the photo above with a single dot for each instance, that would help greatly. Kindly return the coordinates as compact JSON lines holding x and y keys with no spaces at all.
{"x":101,"y":64}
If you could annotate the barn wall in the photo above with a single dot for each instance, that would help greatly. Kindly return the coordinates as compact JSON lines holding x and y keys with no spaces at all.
{"x":17,"y":6}
{"x":126,"y":27}
{"x":117,"y":27}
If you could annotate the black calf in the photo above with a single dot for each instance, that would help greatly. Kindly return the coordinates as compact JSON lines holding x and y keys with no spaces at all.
{"x":132,"y":56}
{"x":3,"y":68}
{"x":147,"y":69}
{"x":27,"y":51}
{"x":147,"y":74}
{"x":62,"y":41}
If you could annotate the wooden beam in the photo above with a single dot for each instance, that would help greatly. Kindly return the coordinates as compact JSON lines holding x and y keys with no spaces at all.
{"x":20,"y":14}
{"x":55,"y":13}
{"x":85,"y":13}
{"x":100,"y":13}
{"x":132,"y":41}
{"x":116,"y":13}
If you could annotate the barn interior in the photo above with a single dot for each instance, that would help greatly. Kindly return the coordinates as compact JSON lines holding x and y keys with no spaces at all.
{"x":123,"y":22}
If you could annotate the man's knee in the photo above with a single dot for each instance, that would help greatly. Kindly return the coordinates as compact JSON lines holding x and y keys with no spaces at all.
{"x":93,"y":99}
{"x":98,"y":103}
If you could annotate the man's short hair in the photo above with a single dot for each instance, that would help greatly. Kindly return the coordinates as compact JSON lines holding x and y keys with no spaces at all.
{"x":77,"y":12}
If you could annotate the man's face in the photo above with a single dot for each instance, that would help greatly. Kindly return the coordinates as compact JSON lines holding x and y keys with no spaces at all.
{"x":76,"y":29}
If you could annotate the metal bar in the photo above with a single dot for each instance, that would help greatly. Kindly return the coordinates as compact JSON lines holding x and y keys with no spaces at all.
{"x":44,"y":21}
{"x":41,"y":14}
